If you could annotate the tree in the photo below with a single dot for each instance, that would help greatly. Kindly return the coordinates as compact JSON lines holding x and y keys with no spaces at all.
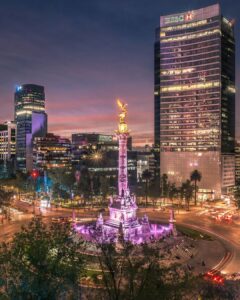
{"x":18,"y":181}
{"x":154,"y":188}
{"x":237,"y":194}
{"x":187,"y":191}
{"x":85,"y":183}
{"x":173,"y":191}
{"x":5,"y":200}
{"x":207,"y":290}
{"x":42,"y":262}
{"x":96,"y":184}
{"x":195,"y":176}
{"x":62,"y":180}
{"x":164,"y":186}
{"x":146,"y":176}
{"x":104,"y":186}
{"x":135,"y":273}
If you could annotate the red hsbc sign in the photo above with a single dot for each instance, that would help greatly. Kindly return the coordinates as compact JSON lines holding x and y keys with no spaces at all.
{"x":178,"y":18}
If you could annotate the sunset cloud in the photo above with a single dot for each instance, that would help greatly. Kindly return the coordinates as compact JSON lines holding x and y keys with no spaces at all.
{"x":86,"y":54}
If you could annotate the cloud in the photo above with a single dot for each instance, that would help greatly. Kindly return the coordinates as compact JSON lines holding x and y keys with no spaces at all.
{"x":87,"y":53}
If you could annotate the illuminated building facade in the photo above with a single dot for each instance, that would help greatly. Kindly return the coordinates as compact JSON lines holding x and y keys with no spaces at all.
{"x":145,"y":161}
{"x":99,"y":153}
{"x":237,"y":161}
{"x":31,"y":121}
{"x":7,"y":141}
{"x":195,"y":97}
{"x":51,"y":152}
{"x":7,"y":149}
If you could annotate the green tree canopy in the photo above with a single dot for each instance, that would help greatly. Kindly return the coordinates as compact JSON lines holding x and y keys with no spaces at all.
{"x":186,"y":191}
{"x":42,"y":262}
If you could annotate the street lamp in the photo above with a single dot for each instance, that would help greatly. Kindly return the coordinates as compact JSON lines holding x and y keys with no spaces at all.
{"x":35,"y":175}
{"x":96,"y":156}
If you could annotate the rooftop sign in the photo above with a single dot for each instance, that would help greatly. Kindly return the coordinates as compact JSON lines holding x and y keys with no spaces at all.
{"x":179,"y":18}
{"x":195,"y":15}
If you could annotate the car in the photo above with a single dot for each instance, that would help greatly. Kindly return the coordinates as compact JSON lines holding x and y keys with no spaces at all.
{"x":215,"y":277}
{"x":60,"y":220}
{"x":55,"y":220}
{"x":64,"y":220}
{"x":228,"y":218}
{"x":74,"y":220}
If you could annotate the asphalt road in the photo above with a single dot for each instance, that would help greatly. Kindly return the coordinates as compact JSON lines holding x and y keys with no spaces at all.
{"x":228,"y":234}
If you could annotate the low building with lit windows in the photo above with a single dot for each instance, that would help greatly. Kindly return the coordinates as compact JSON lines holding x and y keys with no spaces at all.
{"x":145,"y":161}
{"x":99,"y":153}
{"x":51,"y":152}
{"x":7,"y":149}
{"x":237,"y":161}
{"x":195,"y":98}
{"x":7,"y":141}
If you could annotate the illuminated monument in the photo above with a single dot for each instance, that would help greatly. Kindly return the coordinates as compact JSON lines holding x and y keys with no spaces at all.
{"x":123,"y":208}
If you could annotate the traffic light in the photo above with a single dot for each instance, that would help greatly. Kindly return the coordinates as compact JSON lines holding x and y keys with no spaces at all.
{"x":34,"y":174}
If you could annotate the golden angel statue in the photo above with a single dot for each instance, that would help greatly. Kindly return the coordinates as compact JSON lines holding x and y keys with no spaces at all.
{"x":123,"y":113}
{"x":122,"y":126}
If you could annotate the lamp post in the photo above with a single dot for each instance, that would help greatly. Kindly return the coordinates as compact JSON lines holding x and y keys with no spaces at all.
{"x":73,"y":207}
{"x":96,"y":158}
{"x":34,"y":176}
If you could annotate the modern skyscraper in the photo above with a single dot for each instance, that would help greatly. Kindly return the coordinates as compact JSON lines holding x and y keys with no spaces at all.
{"x":31,"y":121}
{"x":195,"y":98}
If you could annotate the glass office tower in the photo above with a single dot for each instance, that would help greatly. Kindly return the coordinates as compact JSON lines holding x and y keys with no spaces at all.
{"x":195,"y":98}
{"x":31,"y":121}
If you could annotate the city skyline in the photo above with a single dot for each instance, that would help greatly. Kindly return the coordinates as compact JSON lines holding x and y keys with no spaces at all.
{"x":119,"y":149}
{"x":67,"y":49}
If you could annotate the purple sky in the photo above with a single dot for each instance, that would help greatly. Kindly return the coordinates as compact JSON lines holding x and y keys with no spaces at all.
{"x":87,"y":53}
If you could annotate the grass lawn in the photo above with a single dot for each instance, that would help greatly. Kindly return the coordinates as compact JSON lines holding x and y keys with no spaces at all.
{"x":194,"y":234}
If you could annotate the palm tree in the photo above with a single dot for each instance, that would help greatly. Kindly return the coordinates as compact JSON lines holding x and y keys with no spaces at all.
{"x":146,"y":176}
{"x":164,"y":186}
{"x":173,"y":191}
{"x":195,"y":176}
{"x":187,"y":191}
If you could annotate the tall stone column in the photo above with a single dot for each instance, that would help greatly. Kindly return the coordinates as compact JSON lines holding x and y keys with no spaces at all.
{"x":122,"y":164}
{"x":122,"y":134}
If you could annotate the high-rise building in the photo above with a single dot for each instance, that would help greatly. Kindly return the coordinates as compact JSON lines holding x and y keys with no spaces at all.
{"x":31,"y":121}
{"x":7,"y":141}
{"x":7,"y":149}
{"x":195,"y":98}
{"x":237,"y":162}
{"x":51,"y":152}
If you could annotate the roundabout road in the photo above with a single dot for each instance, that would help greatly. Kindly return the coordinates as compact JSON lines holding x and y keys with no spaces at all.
{"x":227,"y":234}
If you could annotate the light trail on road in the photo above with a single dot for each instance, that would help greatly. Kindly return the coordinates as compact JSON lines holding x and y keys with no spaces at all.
{"x":226,"y":234}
